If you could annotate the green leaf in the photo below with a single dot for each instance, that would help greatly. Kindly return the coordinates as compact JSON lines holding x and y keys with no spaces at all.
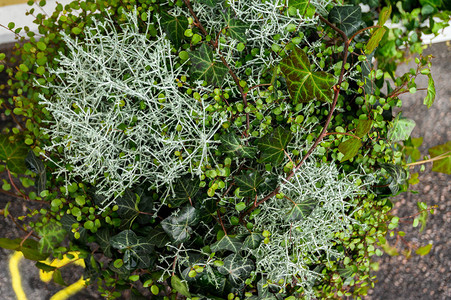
{"x":349,"y":148}
{"x":443,"y":165}
{"x":13,"y":154}
{"x":44,"y":267}
{"x":35,"y":164}
{"x":430,"y":96}
{"x":398,"y":176}
{"x":58,"y":278}
{"x":128,"y":209}
{"x":185,"y":190}
{"x":348,"y":18}
{"x":384,"y":15}
{"x":301,"y":210}
{"x":374,"y":40}
{"x":178,"y":225}
{"x":203,"y":66}
{"x":103,"y":237}
{"x":248,"y":183}
{"x":303,"y":84}
{"x":52,"y":234}
{"x":402,"y":128}
{"x":253,"y":240}
{"x":363,"y":127}
{"x":10,"y":244}
{"x":211,"y":3}
{"x":136,"y":249}
{"x":237,"y":267}
{"x":227,"y":243}
{"x":304,"y":7}
{"x":180,"y":286}
{"x":235,"y":27}
{"x":424,"y":250}
{"x":158,"y":237}
{"x":174,"y":28}
{"x":232,"y":145}
{"x":273,"y":146}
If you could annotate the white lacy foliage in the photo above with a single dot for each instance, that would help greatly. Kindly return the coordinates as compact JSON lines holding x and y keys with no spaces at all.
{"x":114,"y":80}
{"x":297,"y":244}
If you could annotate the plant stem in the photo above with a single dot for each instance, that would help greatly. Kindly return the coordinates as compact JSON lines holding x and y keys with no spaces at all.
{"x":439,"y":157}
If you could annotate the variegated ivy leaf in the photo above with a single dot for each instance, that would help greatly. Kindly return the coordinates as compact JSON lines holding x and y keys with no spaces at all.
{"x":248,"y":183}
{"x":103,"y":237}
{"x":402,"y":128}
{"x":398,"y":176}
{"x":158,"y":237}
{"x":128,"y":209}
{"x":174,"y":27}
{"x":253,"y":240}
{"x":235,"y":27}
{"x":303,"y":84}
{"x":204,"y":66}
{"x":185,"y":190}
{"x":35,"y":165}
{"x":273,"y":145}
{"x":136,"y":249}
{"x":237,"y":268}
{"x":232,"y":145}
{"x":227,"y":243}
{"x":178,"y":225}
{"x":348,"y":18}
{"x":301,"y":210}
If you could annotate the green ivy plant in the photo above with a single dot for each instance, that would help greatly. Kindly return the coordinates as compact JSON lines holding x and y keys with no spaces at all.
{"x":211,"y":149}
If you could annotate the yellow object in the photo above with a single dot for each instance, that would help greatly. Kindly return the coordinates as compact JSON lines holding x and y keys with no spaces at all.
{"x":70,"y":290}
{"x":47,"y":276}
{"x":16,"y":279}
{"x":11,"y":2}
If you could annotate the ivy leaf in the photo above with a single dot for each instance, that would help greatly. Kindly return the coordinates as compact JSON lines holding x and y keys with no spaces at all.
{"x":174,"y":27}
{"x":363,"y":127}
{"x":235,"y":27}
{"x":136,"y":249}
{"x":430,"y":96}
{"x":103,"y":237}
{"x":305,"y":8}
{"x":231,"y":145}
{"x":301,"y":210}
{"x":253,"y":240}
{"x":443,"y":165}
{"x":67,"y":221}
{"x":248,"y":183}
{"x":180,"y":286}
{"x":158,"y":237}
{"x":269,"y":184}
{"x":398,"y":176}
{"x":303,"y":84}
{"x":348,"y":18}
{"x":237,"y":268}
{"x":227,"y":243}
{"x":424,"y":250}
{"x":185,"y":190}
{"x":375,"y":40}
{"x":402,"y":128}
{"x":51,"y":235}
{"x":177,"y":226}
{"x":14,"y":154}
{"x":203,"y":66}
{"x":127,"y":208}
{"x":35,"y":165}
{"x":273,"y":145}
{"x":349,"y":148}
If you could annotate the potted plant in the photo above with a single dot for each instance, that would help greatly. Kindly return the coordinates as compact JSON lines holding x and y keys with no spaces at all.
{"x":210,"y":149}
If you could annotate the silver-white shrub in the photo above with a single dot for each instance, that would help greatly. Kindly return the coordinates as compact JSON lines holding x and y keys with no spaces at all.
{"x":297,"y":244}
{"x":119,"y":115}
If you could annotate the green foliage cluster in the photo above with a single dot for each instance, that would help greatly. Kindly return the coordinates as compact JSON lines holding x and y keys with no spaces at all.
{"x":214,"y":149}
